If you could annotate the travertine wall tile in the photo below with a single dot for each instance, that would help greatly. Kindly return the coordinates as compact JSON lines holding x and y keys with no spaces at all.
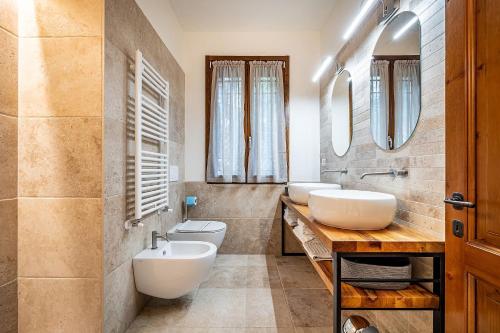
{"x":8,"y":241}
{"x":60,"y":166}
{"x":235,"y":201}
{"x":53,"y":85}
{"x":8,"y":307}
{"x":8,"y":15}
{"x":8,"y":68}
{"x":251,"y":236}
{"x":115,"y":151}
{"x":127,"y":29}
{"x":61,"y":237}
{"x":8,"y":160}
{"x":8,"y":165}
{"x":60,"y":157}
{"x":53,"y":18}
{"x":122,"y":301}
{"x":59,"y":305}
{"x":121,"y":245}
{"x":251,"y":211}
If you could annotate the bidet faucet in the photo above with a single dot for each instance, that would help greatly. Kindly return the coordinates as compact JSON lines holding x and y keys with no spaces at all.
{"x":154,"y":239}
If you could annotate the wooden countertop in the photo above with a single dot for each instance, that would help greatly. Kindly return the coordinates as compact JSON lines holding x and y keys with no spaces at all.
{"x":394,"y":238}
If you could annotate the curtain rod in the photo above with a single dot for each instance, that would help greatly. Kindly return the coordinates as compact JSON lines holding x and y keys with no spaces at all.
{"x":284,"y":63}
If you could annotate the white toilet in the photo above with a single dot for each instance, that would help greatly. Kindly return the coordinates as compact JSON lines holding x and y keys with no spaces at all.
{"x":205,"y":231}
{"x":174,"y":268}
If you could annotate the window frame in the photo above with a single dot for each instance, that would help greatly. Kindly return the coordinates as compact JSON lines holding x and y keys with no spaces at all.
{"x":247,"y":125}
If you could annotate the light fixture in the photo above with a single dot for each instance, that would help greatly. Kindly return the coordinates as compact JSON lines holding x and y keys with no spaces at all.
{"x":405,"y":27}
{"x":322,"y":68}
{"x":357,"y":21}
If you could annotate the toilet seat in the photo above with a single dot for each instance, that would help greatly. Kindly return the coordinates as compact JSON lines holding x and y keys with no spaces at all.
{"x":199,"y":227}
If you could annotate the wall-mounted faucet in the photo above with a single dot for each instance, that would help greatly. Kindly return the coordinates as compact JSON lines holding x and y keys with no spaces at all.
{"x":154,"y":239}
{"x":341,"y":171}
{"x":392,"y":172}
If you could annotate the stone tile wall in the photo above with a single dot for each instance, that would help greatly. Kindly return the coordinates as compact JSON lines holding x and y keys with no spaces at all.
{"x":251,"y":212}
{"x":8,"y":165}
{"x":127,"y":30}
{"x":60,"y":166}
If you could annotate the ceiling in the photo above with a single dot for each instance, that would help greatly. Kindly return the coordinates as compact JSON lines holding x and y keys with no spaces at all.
{"x":252,"y":15}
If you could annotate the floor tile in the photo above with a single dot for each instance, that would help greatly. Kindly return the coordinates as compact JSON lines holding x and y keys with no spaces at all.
{"x":261,"y":260}
{"x":270,"y":330}
{"x":215,"y":307}
{"x":262,"y":277}
{"x":310,"y":307}
{"x":160,"y":313}
{"x":298,"y":273}
{"x":231,"y":277}
{"x":314,"y":329}
{"x":292,"y":260}
{"x":231,"y":260}
{"x":252,"y":294}
{"x":266,"y":308}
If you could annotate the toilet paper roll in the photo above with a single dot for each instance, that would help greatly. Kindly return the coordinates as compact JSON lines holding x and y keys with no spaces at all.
{"x":191,"y":200}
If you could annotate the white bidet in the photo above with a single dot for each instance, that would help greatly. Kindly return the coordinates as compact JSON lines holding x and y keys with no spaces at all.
{"x":173,"y":269}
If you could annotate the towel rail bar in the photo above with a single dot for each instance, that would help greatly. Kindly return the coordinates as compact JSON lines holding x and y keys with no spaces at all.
{"x":150,"y":121}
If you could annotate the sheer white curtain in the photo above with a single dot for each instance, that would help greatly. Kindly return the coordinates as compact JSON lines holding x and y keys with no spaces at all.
{"x":226,"y":152}
{"x":267,"y":159}
{"x":379,"y":101}
{"x":406,"y":99}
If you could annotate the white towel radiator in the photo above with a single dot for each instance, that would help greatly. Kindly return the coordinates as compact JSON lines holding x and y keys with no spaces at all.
{"x":151,"y":131}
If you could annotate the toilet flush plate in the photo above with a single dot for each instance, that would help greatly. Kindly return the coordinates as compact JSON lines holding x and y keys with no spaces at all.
{"x":174,"y":173}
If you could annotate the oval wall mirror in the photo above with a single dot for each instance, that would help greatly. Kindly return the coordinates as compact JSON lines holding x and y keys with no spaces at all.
{"x":395,"y":82}
{"x":342,"y":113}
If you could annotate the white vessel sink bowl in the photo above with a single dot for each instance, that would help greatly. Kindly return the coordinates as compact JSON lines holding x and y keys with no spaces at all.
{"x":299,"y":192}
{"x":350,"y":209}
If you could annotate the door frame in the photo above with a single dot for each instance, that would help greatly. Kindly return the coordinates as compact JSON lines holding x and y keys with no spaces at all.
{"x":456,"y":119}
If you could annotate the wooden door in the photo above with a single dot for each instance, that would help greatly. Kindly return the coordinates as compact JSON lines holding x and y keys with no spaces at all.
{"x":473,"y":165}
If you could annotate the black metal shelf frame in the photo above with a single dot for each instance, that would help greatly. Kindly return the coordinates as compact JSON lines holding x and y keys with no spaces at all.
{"x":437,"y":284}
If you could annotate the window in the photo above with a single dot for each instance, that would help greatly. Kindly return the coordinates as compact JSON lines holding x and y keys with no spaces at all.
{"x":246,"y":119}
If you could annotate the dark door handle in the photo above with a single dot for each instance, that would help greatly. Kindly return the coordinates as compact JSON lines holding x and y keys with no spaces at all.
{"x":457,"y":200}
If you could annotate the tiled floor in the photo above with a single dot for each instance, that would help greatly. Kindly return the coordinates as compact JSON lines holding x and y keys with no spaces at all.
{"x":246,"y":293}
{"x":257,"y":294}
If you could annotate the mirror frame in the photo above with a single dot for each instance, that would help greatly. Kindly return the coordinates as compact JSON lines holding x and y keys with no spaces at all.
{"x":337,"y":75}
{"x":386,"y":25}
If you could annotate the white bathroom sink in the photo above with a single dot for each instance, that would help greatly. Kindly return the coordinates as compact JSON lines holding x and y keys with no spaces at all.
{"x":299,"y":192}
{"x":350,"y":209}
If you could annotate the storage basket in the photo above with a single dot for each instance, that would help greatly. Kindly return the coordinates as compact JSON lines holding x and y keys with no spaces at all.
{"x":377,"y":268}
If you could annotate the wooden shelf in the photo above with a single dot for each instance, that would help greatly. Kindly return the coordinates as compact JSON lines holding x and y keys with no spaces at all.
{"x":413,"y":297}
{"x":394,"y":238}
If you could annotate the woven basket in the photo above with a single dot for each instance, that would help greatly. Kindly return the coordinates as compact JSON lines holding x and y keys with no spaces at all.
{"x":377,"y":268}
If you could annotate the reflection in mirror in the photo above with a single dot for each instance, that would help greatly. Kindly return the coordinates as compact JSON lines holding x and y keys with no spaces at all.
{"x":342,"y":113}
{"x":395,"y":82}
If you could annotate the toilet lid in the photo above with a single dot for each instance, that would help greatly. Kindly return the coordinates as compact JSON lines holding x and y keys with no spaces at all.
{"x":200,"y":226}
{"x":214,"y":226}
